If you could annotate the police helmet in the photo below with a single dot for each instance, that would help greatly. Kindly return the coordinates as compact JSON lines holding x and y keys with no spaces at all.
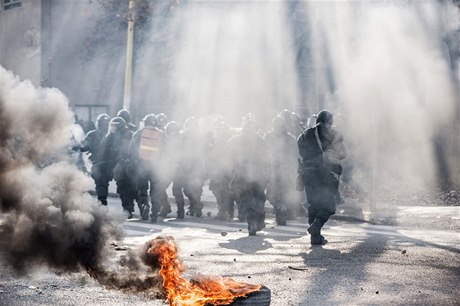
{"x":249,"y":125}
{"x":118,"y":123}
{"x":150,"y":120}
{"x":248,"y":116}
{"x":123,"y":113}
{"x":279,"y":124}
{"x":172,"y":128}
{"x":162,"y":119}
{"x":102,"y":121}
{"x":286,"y":114}
{"x":325,"y":116}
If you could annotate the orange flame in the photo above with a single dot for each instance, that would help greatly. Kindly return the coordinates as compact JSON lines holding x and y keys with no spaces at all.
{"x":201,"y":290}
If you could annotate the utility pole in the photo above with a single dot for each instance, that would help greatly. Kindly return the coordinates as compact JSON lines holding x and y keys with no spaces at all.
{"x":129,"y":56}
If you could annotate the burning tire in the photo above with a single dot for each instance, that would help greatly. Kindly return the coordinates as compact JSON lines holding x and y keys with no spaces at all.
{"x":257,"y":298}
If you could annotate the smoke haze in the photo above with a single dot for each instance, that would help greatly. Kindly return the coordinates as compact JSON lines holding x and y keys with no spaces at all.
{"x":392,"y":85}
{"x":382,"y":65}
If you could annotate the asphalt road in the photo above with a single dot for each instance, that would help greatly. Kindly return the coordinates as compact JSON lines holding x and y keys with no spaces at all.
{"x":363,"y":263}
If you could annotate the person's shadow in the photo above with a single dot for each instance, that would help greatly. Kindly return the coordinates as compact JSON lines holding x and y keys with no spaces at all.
{"x":318,"y":256}
{"x":247,"y":244}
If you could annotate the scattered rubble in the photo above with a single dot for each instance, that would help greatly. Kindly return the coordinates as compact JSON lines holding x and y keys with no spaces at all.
{"x":298,"y":268}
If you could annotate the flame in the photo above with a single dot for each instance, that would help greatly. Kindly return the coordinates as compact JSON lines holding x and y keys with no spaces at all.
{"x":200,"y":290}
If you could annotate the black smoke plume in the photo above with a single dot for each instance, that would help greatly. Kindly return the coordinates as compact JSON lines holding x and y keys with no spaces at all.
{"x":46,"y":215}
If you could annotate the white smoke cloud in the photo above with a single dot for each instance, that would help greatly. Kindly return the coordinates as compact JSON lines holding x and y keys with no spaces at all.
{"x":234,"y":58}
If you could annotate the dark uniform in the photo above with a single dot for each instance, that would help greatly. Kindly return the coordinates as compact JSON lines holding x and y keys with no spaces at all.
{"x":171,"y":164}
{"x":162,"y":121}
{"x":145,"y":152}
{"x":171,"y":168}
{"x":193,"y":166}
{"x":248,"y":151}
{"x":321,"y":149}
{"x":220,"y":173}
{"x":92,"y":144}
{"x":115,"y":161}
{"x":282,"y":153}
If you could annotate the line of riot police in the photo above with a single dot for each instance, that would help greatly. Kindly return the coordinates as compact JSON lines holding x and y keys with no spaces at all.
{"x":244,"y":166}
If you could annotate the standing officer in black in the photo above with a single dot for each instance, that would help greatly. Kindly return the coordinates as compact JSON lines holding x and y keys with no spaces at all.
{"x":145,"y":152}
{"x":115,"y":161}
{"x":250,"y":166}
{"x":92,"y":144}
{"x":321,"y":149}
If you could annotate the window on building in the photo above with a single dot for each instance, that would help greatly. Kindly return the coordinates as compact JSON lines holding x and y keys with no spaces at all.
{"x":9,"y":4}
{"x":90,"y":112}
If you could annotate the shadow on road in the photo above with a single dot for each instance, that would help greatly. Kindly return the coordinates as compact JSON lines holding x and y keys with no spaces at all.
{"x":332,"y":263}
{"x":247,"y":244}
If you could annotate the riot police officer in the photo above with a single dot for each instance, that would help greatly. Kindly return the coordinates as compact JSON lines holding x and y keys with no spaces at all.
{"x":162,"y":120}
{"x":220,"y":172}
{"x":92,"y":145}
{"x":321,"y":149}
{"x":172,"y":161}
{"x":115,"y":161}
{"x":193,"y":165}
{"x":145,"y":150}
{"x":282,"y":154}
{"x":248,"y":151}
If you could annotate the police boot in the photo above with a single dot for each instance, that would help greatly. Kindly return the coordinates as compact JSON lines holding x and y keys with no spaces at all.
{"x":315,"y":232}
{"x":261,"y":221}
{"x":180,"y":213}
{"x":144,"y":208}
{"x":190,"y":209}
{"x":198,"y":209}
{"x":145,"y":212}
{"x":323,"y":240}
{"x":165,"y":210}
{"x":281,"y":215}
{"x":128,"y":205}
{"x":260,"y":225}
{"x":180,"y":208}
{"x":154,"y":217}
{"x":252,"y":227}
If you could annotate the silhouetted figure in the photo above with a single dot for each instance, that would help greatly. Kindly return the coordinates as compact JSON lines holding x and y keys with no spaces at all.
{"x":248,"y":151}
{"x":220,"y":172}
{"x":321,"y":149}
{"x":115,"y":161}
{"x":92,"y":145}
{"x":282,"y":154}
{"x":145,"y":153}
